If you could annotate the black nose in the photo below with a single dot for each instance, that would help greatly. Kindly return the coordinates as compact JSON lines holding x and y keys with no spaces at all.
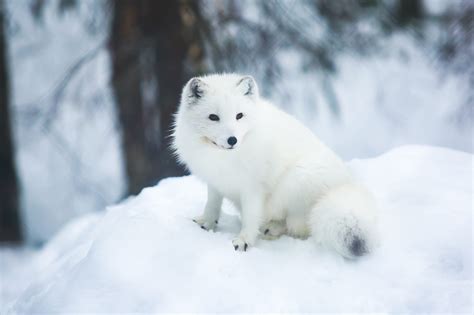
{"x":232,"y":140}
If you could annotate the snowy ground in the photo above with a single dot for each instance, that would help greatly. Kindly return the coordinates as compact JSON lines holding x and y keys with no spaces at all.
{"x":15,"y":273}
{"x":146,"y":255}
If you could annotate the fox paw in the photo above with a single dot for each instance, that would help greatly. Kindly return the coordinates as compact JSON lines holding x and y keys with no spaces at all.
{"x":205,"y":224}
{"x":242,"y":243}
{"x":273,"y":230}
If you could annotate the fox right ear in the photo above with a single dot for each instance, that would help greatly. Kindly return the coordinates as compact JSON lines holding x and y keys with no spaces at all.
{"x":248,"y":86}
{"x":195,"y":89}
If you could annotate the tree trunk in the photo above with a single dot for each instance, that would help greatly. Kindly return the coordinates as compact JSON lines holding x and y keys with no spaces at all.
{"x":409,"y":11}
{"x":155,"y":48}
{"x":9,"y":210}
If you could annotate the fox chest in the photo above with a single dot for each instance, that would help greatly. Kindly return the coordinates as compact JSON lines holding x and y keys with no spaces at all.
{"x":229,"y":175}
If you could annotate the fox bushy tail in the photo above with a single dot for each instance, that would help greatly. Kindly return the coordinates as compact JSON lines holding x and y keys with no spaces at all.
{"x":345,"y":220}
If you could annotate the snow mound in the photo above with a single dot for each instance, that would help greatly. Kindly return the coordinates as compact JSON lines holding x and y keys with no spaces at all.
{"x":146,"y":255}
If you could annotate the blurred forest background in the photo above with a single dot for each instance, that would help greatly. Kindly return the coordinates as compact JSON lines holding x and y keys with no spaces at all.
{"x":88,"y":87}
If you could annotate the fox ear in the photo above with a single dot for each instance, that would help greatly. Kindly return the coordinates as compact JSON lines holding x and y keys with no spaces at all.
{"x":248,"y":86}
{"x":195,"y":89}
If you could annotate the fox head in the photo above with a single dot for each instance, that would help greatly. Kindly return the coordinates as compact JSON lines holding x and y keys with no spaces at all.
{"x":219,"y":109}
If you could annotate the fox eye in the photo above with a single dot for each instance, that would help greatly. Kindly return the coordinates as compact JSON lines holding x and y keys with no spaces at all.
{"x":239,"y":115}
{"x":213,"y":117}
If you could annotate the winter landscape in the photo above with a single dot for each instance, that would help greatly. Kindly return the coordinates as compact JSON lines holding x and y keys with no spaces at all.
{"x":105,"y":231}
{"x":137,"y":258}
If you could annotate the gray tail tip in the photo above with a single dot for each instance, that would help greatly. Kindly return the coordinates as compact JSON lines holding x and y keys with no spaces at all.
{"x":357,"y":246}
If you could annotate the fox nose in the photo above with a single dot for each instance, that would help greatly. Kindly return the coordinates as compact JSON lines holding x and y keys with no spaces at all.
{"x":232,"y":140}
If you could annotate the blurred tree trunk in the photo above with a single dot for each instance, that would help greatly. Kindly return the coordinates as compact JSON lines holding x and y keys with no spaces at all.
{"x":155,"y":48}
{"x":409,"y":11}
{"x":9,"y":209}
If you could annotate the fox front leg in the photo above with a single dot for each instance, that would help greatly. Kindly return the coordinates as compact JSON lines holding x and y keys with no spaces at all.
{"x":208,"y":220}
{"x":252,"y":208}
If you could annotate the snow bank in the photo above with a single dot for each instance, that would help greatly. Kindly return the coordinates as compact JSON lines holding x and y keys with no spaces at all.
{"x":146,"y":255}
{"x":15,"y":274}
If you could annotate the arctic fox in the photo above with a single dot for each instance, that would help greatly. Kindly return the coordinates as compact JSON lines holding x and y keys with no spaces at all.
{"x":271,"y":167}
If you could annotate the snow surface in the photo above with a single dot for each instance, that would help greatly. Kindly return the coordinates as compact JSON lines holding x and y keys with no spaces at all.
{"x":15,"y":274}
{"x":146,"y":255}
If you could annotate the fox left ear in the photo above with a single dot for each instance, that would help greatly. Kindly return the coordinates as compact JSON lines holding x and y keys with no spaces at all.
{"x":196,"y":88}
{"x":248,"y":86}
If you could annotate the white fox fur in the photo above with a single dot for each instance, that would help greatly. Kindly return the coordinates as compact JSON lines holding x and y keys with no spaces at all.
{"x":278,"y":174}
